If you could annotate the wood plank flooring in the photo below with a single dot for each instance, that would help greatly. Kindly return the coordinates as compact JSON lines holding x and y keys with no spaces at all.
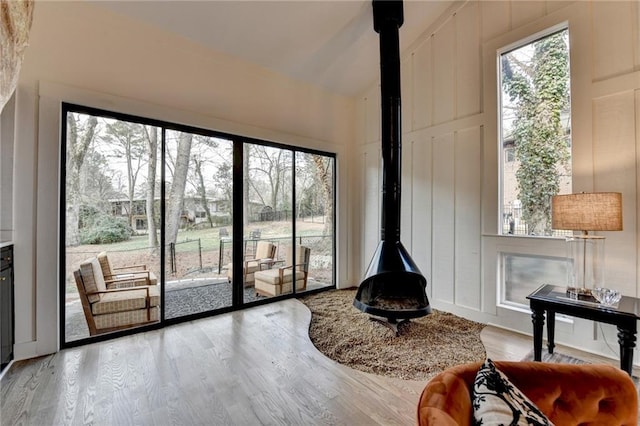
{"x":252,"y":367}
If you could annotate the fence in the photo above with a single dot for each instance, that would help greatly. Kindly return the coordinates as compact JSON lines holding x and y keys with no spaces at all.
{"x":513,"y":224}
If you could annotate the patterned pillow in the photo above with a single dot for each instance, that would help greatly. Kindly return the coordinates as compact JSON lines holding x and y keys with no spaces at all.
{"x":496,"y":401}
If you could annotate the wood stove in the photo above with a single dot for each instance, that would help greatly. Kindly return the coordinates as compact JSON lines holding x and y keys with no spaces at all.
{"x":393,"y":289}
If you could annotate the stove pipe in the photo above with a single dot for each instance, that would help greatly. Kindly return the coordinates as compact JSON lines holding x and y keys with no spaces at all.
{"x":393,"y":287}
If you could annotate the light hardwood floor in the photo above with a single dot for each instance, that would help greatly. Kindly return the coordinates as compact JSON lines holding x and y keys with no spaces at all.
{"x":250,"y":367}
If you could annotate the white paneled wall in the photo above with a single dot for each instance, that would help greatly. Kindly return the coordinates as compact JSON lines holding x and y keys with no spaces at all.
{"x":468,"y":173}
{"x":443,"y":221}
{"x":450,"y":136}
{"x":613,"y":45}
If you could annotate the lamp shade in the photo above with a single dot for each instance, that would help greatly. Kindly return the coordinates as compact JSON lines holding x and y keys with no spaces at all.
{"x":596,"y":211}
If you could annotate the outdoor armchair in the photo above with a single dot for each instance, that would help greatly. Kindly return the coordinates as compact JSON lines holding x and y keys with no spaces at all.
{"x":113,"y":309}
{"x":125,"y":276}
{"x":272,"y":282}
{"x":264,"y":258}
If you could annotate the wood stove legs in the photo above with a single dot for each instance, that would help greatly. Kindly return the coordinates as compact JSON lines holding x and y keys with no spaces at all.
{"x":390,"y":323}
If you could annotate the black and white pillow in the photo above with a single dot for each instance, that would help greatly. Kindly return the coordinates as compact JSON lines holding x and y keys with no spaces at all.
{"x":496,"y":401}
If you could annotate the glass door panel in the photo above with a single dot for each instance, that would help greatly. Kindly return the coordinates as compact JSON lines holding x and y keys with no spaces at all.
{"x":314,"y":216}
{"x":111,"y":254}
{"x":268,"y":227}
{"x":198,"y":223}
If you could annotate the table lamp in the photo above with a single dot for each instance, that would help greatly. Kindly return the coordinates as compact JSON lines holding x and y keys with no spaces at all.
{"x":597,"y":211}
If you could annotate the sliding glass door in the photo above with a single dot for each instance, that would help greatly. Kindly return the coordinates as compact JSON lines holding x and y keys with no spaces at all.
{"x":149,"y":211}
{"x":111,"y":255}
{"x":315,"y":200}
{"x":197,"y":223}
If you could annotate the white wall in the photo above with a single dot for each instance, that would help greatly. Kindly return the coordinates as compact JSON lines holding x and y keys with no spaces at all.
{"x":450,"y":158}
{"x":83,"y":54}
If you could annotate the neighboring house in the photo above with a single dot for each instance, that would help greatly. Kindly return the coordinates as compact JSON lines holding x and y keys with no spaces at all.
{"x":193,"y":212}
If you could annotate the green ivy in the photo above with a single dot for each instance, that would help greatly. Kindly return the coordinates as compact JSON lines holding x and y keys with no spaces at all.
{"x":540,"y":92}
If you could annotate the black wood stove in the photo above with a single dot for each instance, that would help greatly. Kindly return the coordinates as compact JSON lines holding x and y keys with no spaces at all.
{"x":393,"y":290}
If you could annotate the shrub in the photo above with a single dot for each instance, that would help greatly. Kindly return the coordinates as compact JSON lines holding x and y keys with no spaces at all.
{"x":105,"y":229}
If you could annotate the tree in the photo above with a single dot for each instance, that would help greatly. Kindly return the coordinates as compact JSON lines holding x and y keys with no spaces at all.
{"x":201,"y":155}
{"x":81,"y":131}
{"x":178,"y":185}
{"x":129,"y":142}
{"x":269,"y":170}
{"x":201,"y":189}
{"x":324,"y":173}
{"x":539,"y":91}
{"x":151,"y":134}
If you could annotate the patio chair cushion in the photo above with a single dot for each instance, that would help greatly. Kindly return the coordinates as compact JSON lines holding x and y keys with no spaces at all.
{"x":126,"y":300}
{"x":123,"y":319}
{"x":272,"y":276}
{"x":105,"y":265}
{"x":92,"y":278}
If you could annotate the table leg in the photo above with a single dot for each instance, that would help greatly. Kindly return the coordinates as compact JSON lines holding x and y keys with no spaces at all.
{"x":537,"y":318}
{"x":627,"y":341}
{"x":551,"y":327}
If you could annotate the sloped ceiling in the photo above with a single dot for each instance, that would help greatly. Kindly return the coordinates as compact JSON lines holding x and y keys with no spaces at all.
{"x":330,"y":44}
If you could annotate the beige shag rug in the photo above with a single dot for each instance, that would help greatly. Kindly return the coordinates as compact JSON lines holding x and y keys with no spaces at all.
{"x":425,"y":347}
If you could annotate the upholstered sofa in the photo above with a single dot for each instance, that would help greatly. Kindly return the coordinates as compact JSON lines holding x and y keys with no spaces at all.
{"x":568,"y":394}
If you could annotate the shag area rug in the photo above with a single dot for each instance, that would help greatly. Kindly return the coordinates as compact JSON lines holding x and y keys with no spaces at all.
{"x":426,"y":346}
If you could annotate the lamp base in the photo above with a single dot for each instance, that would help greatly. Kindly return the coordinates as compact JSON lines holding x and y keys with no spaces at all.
{"x":585,"y":268}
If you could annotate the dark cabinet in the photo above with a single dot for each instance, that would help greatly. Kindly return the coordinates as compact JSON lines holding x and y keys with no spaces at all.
{"x":6,"y":306}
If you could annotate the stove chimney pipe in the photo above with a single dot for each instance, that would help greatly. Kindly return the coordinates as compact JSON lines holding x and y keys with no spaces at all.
{"x":393,"y":287}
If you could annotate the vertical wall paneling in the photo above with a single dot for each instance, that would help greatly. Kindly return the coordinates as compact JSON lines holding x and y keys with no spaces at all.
{"x":467,"y":61}
{"x":443,"y":215}
{"x":468,"y":171}
{"x":406,"y":195}
{"x":422,"y":79}
{"x":26,"y":184}
{"x":581,"y":98}
{"x":421,"y":230}
{"x":490,"y":138}
{"x":523,"y":12}
{"x":371,"y":207}
{"x":7,"y":136}
{"x":444,"y":73}
{"x":614,"y":138}
{"x":495,"y":18}
{"x":47,"y":226}
{"x":613,"y":51}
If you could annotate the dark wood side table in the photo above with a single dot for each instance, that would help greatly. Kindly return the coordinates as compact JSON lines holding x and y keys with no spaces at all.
{"x":554,"y":299}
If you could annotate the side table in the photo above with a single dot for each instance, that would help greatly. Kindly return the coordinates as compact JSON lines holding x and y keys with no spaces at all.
{"x":553,"y":299}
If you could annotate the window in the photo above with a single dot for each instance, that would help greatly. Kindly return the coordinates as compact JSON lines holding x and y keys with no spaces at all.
{"x":535,"y":136}
{"x":522,"y":274}
{"x":164,"y":197}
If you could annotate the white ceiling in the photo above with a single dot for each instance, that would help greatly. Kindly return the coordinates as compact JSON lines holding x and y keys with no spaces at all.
{"x":330,"y":44}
